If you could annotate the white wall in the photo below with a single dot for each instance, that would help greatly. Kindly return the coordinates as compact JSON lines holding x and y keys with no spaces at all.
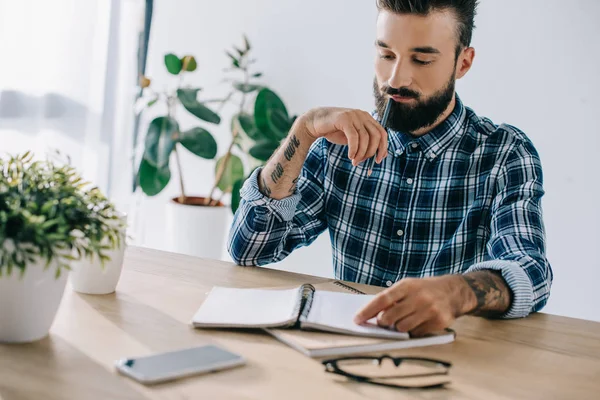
{"x":537,"y":67}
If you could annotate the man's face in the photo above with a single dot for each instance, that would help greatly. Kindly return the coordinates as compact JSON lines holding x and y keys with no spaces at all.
{"x":416,"y":65}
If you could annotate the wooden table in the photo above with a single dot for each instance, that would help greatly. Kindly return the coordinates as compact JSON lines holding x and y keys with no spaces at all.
{"x":540,"y":357}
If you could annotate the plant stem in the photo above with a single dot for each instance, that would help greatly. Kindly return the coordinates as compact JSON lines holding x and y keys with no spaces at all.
{"x":182,"y":196}
{"x":222,"y":167}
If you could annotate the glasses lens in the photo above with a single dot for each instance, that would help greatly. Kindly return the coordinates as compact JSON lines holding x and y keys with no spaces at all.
{"x":416,"y":373}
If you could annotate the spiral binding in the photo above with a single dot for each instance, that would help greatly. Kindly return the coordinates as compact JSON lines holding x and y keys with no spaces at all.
{"x":304,"y":302}
{"x":347,"y":287}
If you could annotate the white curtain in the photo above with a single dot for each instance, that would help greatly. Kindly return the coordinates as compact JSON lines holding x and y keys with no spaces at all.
{"x":68,"y":78}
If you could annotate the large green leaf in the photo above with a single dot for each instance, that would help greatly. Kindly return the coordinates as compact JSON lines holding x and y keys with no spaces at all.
{"x":247,"y":123}
{"x":234,"y":170}
{"x":197,"y":108}
{"x":173,"y":64}
{"x":266,"y":102}
{"x":188,"y":94}
{"x":235,"y":195}
{"x":279,"y":123}
{"x":246,"y":87}
{"x":263,"y":149}
{"x":200,"y":142}
{"x":160,"y":141}
{"x":153,"y":180}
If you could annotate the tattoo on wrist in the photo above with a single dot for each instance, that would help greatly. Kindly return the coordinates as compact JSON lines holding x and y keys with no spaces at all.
{"x":265,"y":189}
{"x":291,"y":147}
{"x":491,"y":291}
{"x":277,"y":173}
{"x":294,"y":182}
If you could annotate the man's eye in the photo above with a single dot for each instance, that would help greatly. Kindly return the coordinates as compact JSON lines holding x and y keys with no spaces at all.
{"x":421,"y":62}
{"x":386,"y":56}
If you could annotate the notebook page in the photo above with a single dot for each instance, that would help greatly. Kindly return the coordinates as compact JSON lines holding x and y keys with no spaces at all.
{"x":335,"y":312}
{"x":232,"y":307}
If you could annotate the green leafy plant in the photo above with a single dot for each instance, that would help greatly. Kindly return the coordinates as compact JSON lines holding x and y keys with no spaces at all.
{"x":259,"y":124}
{"x":47,"y":212}
{"x":257,"y":132}
{"x":164,"y":136}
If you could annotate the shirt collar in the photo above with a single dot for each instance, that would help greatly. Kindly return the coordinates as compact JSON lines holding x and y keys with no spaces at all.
{"x":433,"y":143}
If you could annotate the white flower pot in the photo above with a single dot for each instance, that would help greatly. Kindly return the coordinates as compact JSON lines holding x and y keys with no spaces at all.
{"x":90,"y":277}
{"x":197,"y":230}
{"x":28,"y":303}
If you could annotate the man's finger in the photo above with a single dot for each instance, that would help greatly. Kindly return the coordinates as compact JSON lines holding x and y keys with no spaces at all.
{"x":382,"y":301}
{"x":363,"y":141}
{"x":396,"y":312}
{"x":410,"y":322}
{"x":353,"y":138}
{"x":374,"y":141}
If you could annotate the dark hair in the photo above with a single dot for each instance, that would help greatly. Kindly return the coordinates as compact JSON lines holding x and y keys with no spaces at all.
{"x":464,"y":10}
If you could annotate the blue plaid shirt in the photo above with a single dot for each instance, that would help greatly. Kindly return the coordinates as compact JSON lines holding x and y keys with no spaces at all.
{"x":464,"y":197}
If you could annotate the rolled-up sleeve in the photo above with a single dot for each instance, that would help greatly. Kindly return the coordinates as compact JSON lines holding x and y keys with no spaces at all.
{"x":516,"y":247}
{"x":267,"y":230}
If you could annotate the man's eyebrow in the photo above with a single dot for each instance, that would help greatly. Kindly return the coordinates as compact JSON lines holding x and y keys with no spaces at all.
{"x":422,"y":49}
{"x":426,"y":50}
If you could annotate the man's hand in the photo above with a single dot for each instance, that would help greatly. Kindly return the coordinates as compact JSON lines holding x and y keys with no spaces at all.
{"x":428,"y":305}
{"x":355,"y":128}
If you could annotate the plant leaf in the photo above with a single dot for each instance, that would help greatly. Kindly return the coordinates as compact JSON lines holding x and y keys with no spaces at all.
{"x":197,"y":108}
{"x":247,"y":123}
{"x":234,"y":170}
{"x":188,"y":94}
{"x":151,"y":179}
{"x":279,"y":123}
{"x":267,"y":100}
{"x":263,"y":149}
{"x":246,"y":43}
{"x":200,"y":142}
{"x":191,"y":63}
{"x":173,"y":64}
{"x":235,"y":194}
{"x":257,"y":75}
{"x":160,"y":141}
{"x":246,"y":87}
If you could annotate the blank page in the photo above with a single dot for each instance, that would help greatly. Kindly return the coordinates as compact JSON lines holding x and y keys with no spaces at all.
{"x":247,"y":308}
{"x":335,"y":312}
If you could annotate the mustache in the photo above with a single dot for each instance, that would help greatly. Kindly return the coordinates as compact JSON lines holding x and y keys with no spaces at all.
{"x":404,"y":92}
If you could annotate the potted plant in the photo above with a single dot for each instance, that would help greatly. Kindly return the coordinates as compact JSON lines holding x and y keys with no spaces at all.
{"x":49,"y":218}
{"x":197,"y":225}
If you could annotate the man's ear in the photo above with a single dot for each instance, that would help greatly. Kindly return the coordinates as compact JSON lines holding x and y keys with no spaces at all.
{"x":464,"y":62}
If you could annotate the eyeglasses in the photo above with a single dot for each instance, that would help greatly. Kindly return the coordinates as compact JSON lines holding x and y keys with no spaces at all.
{"x":398,"y":372}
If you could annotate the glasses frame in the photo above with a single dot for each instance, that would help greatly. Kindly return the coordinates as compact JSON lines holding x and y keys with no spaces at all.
{"x":331,"y":366}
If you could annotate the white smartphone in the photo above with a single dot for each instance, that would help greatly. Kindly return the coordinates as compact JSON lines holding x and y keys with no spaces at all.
{"x":178,"y":364}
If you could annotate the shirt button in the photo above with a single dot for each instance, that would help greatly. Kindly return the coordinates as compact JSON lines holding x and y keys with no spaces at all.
{"x":398,"y":152}
{"x":400,"y":232}
{"x":414,"y":145}
{"x":389,"y":283}
{"x":409,"y":181}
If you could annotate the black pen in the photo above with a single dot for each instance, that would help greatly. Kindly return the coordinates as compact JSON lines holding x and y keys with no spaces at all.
{"x":383,"y":121}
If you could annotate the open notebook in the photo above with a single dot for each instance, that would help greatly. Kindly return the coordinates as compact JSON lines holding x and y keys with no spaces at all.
{"x":306,"y":309}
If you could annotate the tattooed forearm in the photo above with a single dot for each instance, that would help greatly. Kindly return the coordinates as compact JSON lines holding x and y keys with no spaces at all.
{"x":294,"y":182}
{"x":277,"y":173}
{"x":264,"y":188}
{"x":291,"y":147}
{"x":493,"y":295}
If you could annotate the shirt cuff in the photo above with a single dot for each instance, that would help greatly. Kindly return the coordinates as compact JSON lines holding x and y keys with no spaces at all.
{"x":285,"y":208}
{"x":517,"y":280}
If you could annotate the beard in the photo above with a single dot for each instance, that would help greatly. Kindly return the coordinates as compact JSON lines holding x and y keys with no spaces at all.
{"x":409,"y":118}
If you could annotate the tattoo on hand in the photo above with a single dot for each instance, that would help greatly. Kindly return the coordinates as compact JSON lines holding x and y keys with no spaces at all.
{"x":290,"y":150}
{"x":491,"y":291}
{"x":277,"y":173}
{"x":265,"y":189}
